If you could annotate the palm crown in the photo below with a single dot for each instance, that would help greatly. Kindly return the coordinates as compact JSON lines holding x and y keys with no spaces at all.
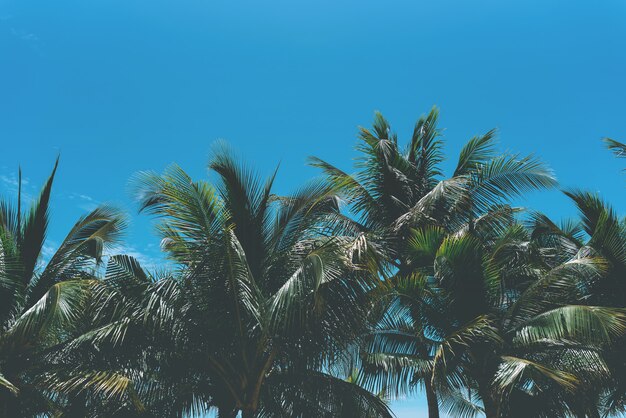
{"x":402,"y":201}
{"x":41,"y":300}
{"x":266,"y":302}
{"x":286,"y":305}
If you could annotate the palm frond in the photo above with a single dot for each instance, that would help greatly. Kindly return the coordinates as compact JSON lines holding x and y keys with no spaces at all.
{"x":591,"y":208}
{"x":461,"y":405}
{"x":514,"y":370}
{"x":59,"y":307}
{"x":84,"y":245}
{"x":475,"y":153}
{"x":425,"y":150}
{"x":508,"y":176}
{"x":8,"y":385}
{"x":34,"y":228}
{"x":618,"y":148}
{"x":588,"y":324}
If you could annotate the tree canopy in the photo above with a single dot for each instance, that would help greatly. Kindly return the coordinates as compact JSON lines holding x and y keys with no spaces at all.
{"x":356,"y":289}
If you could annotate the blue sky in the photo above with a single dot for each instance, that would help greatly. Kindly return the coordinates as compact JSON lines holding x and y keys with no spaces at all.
{"x":119,"y":86}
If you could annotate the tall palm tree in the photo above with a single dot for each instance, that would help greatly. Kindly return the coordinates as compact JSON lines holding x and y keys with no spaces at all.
{"x":598,"y":233}
{"x":41,"y":299}
{"x":397,"y":189}
{"x":608,"y":237}
{"x":263,"y":305}
{"x":517,"y":335}
{"x":106,"y":366}
{"x":496,"y":308}
{"x":603,"y":237}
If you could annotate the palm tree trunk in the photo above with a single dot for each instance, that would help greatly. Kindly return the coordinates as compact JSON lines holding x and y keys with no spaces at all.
{"x":248,"y":413}
{"x":3,"y":408}
{"x":225,"y":412}
{"x":490,"y":405}
{"x":431,"y":399}
{"x":492,"y":409}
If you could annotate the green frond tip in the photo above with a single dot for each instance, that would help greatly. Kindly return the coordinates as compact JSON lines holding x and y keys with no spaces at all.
{"x":8,"y":385}
{"x":515,"y":370}
{"x":581,"y":323}
{"x":618,"y":148}
{"x":476,"y":152}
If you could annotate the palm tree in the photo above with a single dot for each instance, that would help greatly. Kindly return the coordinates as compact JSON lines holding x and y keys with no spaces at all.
{"x":395,"y":190}
{"x":603,"y":237}
{"x":41,"y":299}
{"x":497,"y":312}
{"x":107,"y":366}
{"x":608,"y":237}
{"x":517,"y":335}
{"x":598,"y":233}
{"x":264,"y":303}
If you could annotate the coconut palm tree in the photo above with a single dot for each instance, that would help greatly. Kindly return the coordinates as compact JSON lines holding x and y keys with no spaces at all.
{"x":41,"y":298}
{"x":264,"y":303}
{"x":107,"y":365}
{"x":506,"y":336}
{"x":395,"y":190}
{"x":598,"y":233}
{"x":545,"y":342}
{"x":601,"y":235}
{"x":608,"y":237}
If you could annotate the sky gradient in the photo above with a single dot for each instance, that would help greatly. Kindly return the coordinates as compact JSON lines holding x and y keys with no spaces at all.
{"x":116,"y":87}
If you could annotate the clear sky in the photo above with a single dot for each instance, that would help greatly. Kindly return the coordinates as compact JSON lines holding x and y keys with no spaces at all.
{"x":118,"y":86}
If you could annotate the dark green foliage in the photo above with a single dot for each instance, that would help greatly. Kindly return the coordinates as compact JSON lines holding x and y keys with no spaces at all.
{"x":295,"y":306}
{"x":42,"y":300}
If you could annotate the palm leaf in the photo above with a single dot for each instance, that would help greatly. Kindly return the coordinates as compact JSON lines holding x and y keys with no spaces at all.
{"x":475,"y":153}
{"x":588,"y":324}
{"x":34,"y":228}
{"x":60,"y":306}
{"x":513,"y":370}
{"x":8,"y":385}
{"x":618,"y":148}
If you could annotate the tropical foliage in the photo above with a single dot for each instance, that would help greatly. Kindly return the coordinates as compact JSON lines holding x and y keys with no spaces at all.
{"x":354,"y":290}
{"x":43,"y":298}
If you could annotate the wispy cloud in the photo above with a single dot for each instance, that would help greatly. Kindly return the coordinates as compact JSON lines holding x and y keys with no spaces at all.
{"x":47,"y":251}
{"x":84,"y":202}
{"x":9,"y":183}
{"x":26,"y":37}
{"x":11,"y":180}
